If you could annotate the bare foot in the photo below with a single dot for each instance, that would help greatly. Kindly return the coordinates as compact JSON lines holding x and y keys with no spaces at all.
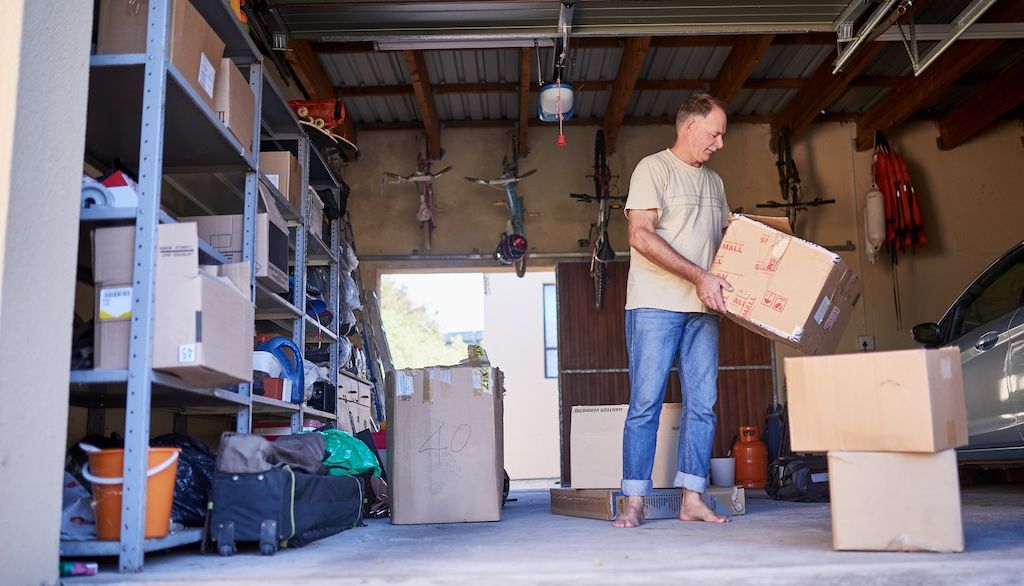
{"x":694,"y":509}
{"x":633,"y":516}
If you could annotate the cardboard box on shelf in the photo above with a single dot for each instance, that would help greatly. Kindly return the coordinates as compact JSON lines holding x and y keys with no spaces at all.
{"x":235,"y":102}
{"x":445,"y":452}
{"x":886,"y":501}
{"x":316,"y":214}
{"x":225,"y":235}
{"x":194,"y":47}
{"x":785,"y":288}
{"x":605,"y":504}
{"x":275,"y":428}
{"x":901,"y":401}
{"x":596,"y":446}
{"x":283,"y":170}
{"x":203,"y":322}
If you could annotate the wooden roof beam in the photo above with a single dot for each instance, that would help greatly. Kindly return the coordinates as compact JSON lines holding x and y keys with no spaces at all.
{"x":630,"y":64}
{"x":983,"y":108}
{"x":524,"y":99}
{"x":743,"y":57}
{"x":311,"y":74}
{"x":416,"y":66}
{"x":918,"y":92}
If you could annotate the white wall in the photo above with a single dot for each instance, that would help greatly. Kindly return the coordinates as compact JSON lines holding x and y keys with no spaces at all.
{"x":514,"y":340}
{"x":44,"y":77}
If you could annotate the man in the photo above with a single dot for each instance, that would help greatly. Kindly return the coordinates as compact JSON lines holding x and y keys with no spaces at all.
{"x":677,"y":212}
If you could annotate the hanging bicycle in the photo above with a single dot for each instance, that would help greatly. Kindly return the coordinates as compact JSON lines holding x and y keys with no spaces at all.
{"x":789,"y":184}
{"x":422,"y":178}
{"x":601,"y":250}
{"x":512,"y":245}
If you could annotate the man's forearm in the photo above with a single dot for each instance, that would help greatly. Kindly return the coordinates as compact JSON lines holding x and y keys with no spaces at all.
{"x":655,"y":249}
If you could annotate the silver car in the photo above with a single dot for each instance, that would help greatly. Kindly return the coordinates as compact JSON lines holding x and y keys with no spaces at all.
{"x":987,"y":323}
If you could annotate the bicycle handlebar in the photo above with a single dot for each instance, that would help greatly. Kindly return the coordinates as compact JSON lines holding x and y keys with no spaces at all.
{"x":585,"y":197}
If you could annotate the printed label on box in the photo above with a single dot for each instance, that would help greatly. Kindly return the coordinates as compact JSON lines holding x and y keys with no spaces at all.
{"x":946,"y":368}
{"x":187,"y":353}
{"x":403,"y":385}
{"x":115,"y":303}
{"x":446,"y":376}
{"x":822,"y":309}
{"x":207,"y":74}
{"x":275,"y":179}
{"x":831,"y":321}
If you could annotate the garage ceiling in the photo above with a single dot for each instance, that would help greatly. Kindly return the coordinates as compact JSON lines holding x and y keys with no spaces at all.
{"x":440,"y":64}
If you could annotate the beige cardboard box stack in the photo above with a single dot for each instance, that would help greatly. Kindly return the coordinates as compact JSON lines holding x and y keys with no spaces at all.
{"x":225,"y":235}
{"x":445,"y":460}
{"x":785,"y":288}
{"x":890,"y":422}
{"x":203,"y":324}
{"x":195,"y":50}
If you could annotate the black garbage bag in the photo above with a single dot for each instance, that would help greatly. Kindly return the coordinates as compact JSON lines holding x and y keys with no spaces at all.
{"x":192,"y":484}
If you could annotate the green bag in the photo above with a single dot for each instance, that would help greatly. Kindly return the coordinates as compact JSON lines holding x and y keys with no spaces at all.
{"x":346,"y":455}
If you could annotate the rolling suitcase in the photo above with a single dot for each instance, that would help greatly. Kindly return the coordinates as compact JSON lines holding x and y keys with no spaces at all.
{"x":281,"y":508}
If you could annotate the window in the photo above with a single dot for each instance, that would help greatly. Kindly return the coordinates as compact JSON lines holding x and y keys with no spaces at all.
{"x":995,"y":294}
{"x":550,"y":332}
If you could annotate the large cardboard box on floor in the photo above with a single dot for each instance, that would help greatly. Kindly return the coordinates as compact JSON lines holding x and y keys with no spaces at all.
{"x":194,"y":48}
{"x":444,"y":437}
{"x":225,"y":234}
{"x":235,"y":102}
{"x":902,"y":401}
{"x":595,"y":445}
{"x":895,"y":501}
{"x":785,"y":288}
{"x":203,"y":322}
{"x":605,"y":504}
{"x":284,"y":171}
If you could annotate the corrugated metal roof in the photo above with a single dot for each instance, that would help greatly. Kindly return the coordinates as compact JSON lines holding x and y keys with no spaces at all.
{"x":696,"y":63}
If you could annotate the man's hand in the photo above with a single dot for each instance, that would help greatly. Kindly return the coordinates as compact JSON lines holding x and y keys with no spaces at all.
{"x":709,"y":289}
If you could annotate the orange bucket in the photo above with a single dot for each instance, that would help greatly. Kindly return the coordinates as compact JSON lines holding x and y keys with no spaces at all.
{"x":105,"y":471}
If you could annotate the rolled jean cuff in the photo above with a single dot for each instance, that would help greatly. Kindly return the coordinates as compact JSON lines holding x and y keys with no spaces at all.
{"x":687,"y":481}
{"x":636,"y":487}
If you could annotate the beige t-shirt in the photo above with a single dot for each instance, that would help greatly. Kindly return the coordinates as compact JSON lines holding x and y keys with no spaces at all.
{"x":692,"y":211}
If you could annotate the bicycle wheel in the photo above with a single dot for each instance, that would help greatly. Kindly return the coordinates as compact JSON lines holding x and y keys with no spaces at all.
{"x":601,"y":173}
{"x":599,"y":282}
{"x":521,"y":267}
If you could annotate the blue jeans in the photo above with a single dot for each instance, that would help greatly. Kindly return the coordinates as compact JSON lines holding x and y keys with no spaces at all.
{"x":654,"y":340}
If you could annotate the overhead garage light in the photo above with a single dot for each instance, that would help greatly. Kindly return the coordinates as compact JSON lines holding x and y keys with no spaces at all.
{"x":444,"y":44}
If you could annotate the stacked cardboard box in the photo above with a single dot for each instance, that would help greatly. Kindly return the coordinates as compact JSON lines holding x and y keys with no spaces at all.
{"x":444,"y":436}
{"x":890,"y":422}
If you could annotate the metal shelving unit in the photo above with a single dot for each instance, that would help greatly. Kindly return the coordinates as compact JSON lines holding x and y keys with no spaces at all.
{"x":144,"y":112}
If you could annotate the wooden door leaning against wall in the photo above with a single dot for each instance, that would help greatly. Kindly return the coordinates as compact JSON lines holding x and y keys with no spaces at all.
{"x":592,"y":359}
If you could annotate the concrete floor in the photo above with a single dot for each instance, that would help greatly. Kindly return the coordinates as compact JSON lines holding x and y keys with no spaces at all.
{"x":774,"y":543}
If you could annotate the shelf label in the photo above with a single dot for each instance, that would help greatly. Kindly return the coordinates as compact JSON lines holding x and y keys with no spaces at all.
{"x":115,"y":303}
{"x":207,"y":74}
{"x":186,"y":353}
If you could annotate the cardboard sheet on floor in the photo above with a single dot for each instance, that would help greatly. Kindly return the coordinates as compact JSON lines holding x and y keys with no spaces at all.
{"x":661,"y":503}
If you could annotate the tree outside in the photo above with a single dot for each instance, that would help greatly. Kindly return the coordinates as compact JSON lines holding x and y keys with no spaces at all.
{"x":414,"y":334}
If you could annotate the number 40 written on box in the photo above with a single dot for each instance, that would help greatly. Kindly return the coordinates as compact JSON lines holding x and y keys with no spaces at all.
{"x":440,"y":440}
